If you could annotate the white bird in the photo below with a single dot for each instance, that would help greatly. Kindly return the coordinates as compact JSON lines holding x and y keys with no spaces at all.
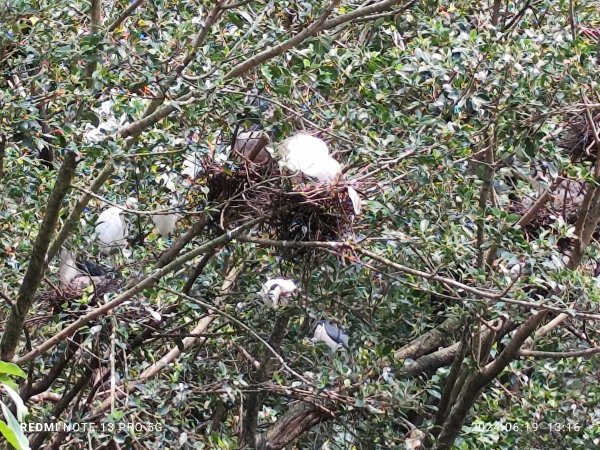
{"x":310,"y":156}
{"x":73,"y":278}
{"x":276,"y":290}
{"x":165,"y":223}
{"x":331,"y":335}
{"x":192,"y":167}
{"x":110,"y":124}
{"x":111,"y":228}
{"x":67,"y":270}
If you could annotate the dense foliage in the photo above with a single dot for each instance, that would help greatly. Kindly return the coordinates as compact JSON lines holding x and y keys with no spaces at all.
{"x":471,"y":306}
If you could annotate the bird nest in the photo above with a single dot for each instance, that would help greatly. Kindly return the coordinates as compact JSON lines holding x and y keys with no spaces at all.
{"x":578,"y":137}
{"x":294,"y":209}
{"x":64,"y":297}
{"x":565,"y":202}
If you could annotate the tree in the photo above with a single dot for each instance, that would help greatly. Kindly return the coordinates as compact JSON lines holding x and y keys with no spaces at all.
{"x":466,"y":283}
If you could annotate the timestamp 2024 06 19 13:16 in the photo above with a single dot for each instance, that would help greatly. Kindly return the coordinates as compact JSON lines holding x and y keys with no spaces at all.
{"x":551,"y":427}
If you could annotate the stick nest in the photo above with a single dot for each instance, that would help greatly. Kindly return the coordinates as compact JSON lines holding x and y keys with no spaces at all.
{"x":294,"y":208}
{"x":64,"y":297}
{"x":578,"y":137}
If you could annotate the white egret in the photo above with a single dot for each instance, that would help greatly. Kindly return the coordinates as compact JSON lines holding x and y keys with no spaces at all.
{"x":278,"y":290}
{"x":165,"y":223}
{"x":111,"y":228}
{"x":310,"y":156}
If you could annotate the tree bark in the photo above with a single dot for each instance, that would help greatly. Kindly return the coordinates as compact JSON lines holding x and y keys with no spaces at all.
{"x":96,"y":23}
{"x":253,"y":400}
{"x":37,"y":260}
{"x":440,"y":336}
{"x":476,"y":381}
{"x":299,"y":418}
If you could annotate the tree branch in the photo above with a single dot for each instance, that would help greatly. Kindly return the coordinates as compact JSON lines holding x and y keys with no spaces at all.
{"x":124,"y":15}
{"x":37,"y":260}
{"x":96,"y":23}
{"x":559,"y":355}
{"x":299,"y":418}
{"x":440,"y":336}
{"x":283,"y":47}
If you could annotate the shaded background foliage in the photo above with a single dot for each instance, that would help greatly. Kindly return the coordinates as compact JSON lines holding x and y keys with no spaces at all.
{"x":429,"y":88}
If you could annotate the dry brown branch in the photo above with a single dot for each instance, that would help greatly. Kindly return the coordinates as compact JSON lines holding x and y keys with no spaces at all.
{"x":559,"y":355}
{"x":197,"y":337}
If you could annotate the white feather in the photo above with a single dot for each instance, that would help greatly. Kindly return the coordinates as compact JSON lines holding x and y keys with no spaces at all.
{"x":321,"y":335}
{"x":111,"y":230}
{"x":355,"y":200}
{"x":67,"y":270}
{"x":309,"y":155}
{"x":165,"y":223}
{"x":276,"y":290}
{"x":191,"y":166}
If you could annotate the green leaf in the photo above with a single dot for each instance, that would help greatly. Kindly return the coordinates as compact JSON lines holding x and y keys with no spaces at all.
{"x":16,"y":398}
{"x":17,"y":438}
{"x":11,"y":369}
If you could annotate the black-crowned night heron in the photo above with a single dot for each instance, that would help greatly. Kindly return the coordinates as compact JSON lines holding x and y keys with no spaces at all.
{"x":91,"y":268}
{"x":277,"y":290}
{"x":334,"y":337}
{"x":70,"y":276}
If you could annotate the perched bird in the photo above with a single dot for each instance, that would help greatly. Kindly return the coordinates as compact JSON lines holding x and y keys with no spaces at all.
{"x":165,"y":223}
{"x":67,"y":270}
{"x":334,"y":337}
{"x":252,"y":146}
{"x":91,"y":268}
{"x":192,"y":167}
{"x":278,"y":290}
{"x":310,"y":156}
{"x":71,"y":277}
{"x":111,"y":228}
